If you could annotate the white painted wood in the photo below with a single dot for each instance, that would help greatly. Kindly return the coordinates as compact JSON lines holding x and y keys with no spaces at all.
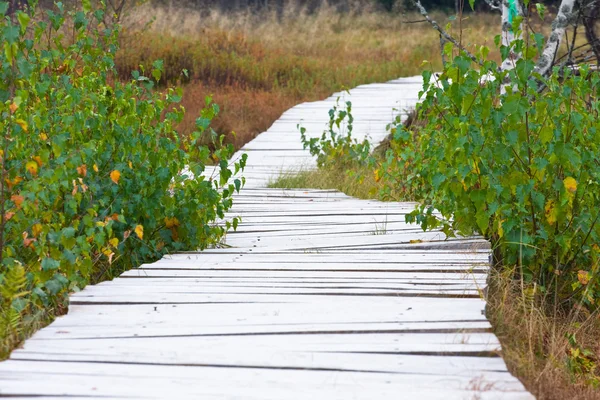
{"x":162,"y":382}
{"x":316,"y":296}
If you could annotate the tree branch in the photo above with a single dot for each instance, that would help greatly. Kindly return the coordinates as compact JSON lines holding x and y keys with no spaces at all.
{"x":589,"y":22}
{"x":494,"y":4}
{"x":443,"y":33}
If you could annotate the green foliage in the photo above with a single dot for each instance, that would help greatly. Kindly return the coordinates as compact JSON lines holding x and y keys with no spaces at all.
{"x":94,"y":177}
{"x":13,"y":291}
{"x":336,"y":146}
{"x":512,"y":156}
{"x":582,"y":362}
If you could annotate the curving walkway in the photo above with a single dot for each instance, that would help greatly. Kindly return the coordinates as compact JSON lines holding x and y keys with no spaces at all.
{"x":320,"y":296}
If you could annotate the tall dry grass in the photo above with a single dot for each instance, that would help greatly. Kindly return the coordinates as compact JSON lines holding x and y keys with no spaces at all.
{"x":535,"y":341}
{"x":258,"y":64}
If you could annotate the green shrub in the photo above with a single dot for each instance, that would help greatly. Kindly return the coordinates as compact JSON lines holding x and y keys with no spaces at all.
{"x":336,"y":146}
{"x":94,"y":177}
{"x":521,"y":168}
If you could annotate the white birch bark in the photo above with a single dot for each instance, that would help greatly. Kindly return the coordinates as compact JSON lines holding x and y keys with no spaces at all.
{"x":559,"y":26}
{"x":508,"y":35}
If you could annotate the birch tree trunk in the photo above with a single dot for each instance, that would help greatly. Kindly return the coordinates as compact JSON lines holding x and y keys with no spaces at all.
{"x":511,"y":9}
{"x":559,"y":26}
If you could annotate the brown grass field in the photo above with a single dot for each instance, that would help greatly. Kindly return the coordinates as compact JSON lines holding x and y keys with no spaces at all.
{"x":257,"y":65}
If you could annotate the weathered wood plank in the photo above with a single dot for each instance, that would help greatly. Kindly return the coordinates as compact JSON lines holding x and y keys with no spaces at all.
{"x":317,"y":296}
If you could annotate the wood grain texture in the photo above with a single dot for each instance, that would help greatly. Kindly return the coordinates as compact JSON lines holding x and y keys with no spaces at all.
{"x":316,"y":296}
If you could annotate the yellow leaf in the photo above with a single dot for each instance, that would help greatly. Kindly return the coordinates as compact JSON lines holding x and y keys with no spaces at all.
{"x":583,"y":277}
{"x":32,"y":167}
{"x":13,"y":182}
{"x":43,"y":136}
{"x":130,"y":164}
{"x":551,"y":212}
{"x":570,"y":184}
{"x":82,"y":170}
{"x":13,"y":108}
{"x":38,"y":160}
{"x":139,"y":230}
{"x":36,"y":230}
{"x":95,"y":168}
{"x":22,"y":124}
{"x":476,"y":167}
{"x":114,"y":242}
{"x":171,"y":222}
{"x":108,"y":254}
{"x":377,"y":175}
{"x":500,"y":228}
{"x":115,"y":176}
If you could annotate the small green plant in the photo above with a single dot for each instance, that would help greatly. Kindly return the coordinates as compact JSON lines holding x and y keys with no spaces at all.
{"x":380,"y":228}
{"x":336,"y":146}
{"x":94,"y":178}
{"x":582,"y":362}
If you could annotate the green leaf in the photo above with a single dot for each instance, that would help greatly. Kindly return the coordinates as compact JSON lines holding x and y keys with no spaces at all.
{"x":10,"y":34}
{"x":467,"y":101}
{"x":541,"y":9}
{"x":438,"y":179}
{"x":546,"y":134}
{"x":49,"y":264}
{"x":156,"y":74}
{"x":23,"y":19}
{"x":483,"y":221}
{"x":158,"y":64}
{"x":86,"y":6}
{"x":68,"y":232}
{"x":3,"y":8}
{"x":484,"y":51}
{"x":54,"y":286}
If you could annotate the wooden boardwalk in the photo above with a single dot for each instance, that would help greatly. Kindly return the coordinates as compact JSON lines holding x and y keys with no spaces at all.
{"x":320,"y":296}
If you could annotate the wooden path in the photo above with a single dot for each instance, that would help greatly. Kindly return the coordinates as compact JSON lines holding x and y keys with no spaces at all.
{"x":320,"y":296}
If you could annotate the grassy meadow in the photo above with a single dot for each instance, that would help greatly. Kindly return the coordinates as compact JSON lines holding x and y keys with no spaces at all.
{"x":259,"y":64}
